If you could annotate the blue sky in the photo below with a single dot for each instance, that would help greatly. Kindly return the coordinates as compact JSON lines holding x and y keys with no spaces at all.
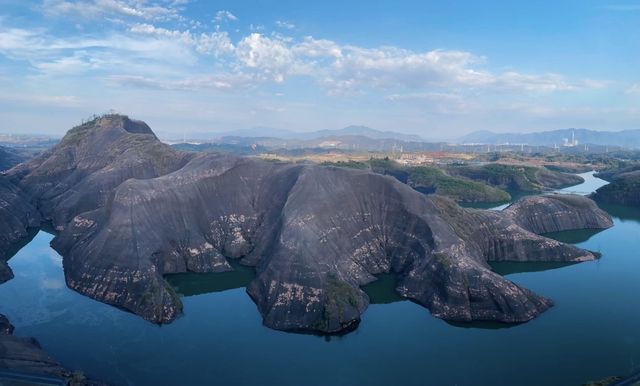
{"x":434,"y":68}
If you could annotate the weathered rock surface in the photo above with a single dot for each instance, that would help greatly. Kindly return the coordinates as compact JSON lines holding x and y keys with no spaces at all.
{"x":17,"y":215}
{"x":558,"y":212}
{"x":129,"y":210}
{"x":81,"y":171}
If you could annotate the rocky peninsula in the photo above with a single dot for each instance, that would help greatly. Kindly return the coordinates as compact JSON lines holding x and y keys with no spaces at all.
{"x":128,"y":209}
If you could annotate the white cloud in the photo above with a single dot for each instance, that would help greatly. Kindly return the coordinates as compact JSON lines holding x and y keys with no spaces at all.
{"x":317,"y":48}
{"x":216,"y":43}
{"x":225,"y":16}
{"x":222,"y":82}
{"x":76,"y":64}
{"x":390,"y":67}
{"x":271,"y":57}
{"x":101,"y":8}
{"x":285,"y":24}
{"x":146,"y":55}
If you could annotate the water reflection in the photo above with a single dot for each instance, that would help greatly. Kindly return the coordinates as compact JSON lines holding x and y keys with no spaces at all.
{"x":504,"y":268}
{"x":383,"y":290}
{"x":515,"y":196}
{"x":190,"y":284}
{"x":575,"y":236}
{"x":624,"y":213}
{"x":483,"y":325}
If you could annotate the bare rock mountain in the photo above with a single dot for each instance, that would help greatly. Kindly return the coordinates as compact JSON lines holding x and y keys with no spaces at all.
{"x":17,"y":215}
{"x":558,"y":212}
{"x":129,"y":210}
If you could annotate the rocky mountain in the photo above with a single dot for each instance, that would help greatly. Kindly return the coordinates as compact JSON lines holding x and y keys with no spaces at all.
{"x":129,"y":210}
{"x":516,"y":177}
{"x":561,"y":212}
{"x":17,"y":215}
{"x":626,"y":138}
{"x":624,"y":188}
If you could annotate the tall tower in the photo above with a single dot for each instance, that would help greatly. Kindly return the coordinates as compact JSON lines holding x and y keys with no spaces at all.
{"x":573,"y":137}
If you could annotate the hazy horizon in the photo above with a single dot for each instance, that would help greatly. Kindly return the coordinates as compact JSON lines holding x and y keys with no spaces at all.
{"x":435,"y":70}
{"x":201,"y":134}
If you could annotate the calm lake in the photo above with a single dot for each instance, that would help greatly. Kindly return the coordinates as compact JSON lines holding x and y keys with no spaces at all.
{"x":592,"y":332}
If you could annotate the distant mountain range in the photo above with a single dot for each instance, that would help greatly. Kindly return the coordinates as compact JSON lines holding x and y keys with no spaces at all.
{"x":626,"y":138}
{"x":360,"y":131}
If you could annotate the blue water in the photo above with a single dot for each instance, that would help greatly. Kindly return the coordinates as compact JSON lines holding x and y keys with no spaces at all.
{"x":591,"y":333}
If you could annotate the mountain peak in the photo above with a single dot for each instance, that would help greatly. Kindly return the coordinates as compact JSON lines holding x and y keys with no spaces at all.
{"x":116,"y":123}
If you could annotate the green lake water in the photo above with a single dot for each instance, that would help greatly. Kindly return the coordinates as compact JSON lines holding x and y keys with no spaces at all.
{"x":592,"y":332}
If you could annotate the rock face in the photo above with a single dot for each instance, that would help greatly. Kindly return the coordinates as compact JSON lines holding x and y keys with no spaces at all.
{"x":558,"y":212}
{"x":17,"y":215}
{"x":624,"y":189}
{"x":81,"y":171}
{"x":129,"y":210}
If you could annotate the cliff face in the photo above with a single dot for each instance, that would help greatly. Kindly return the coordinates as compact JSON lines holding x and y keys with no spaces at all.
{"x":129,"y":210}
{"x":17,"y":214}
{"x":558,"y":212}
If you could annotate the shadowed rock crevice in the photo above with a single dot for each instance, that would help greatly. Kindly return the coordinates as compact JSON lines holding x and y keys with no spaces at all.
{"x":129,"y":210}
